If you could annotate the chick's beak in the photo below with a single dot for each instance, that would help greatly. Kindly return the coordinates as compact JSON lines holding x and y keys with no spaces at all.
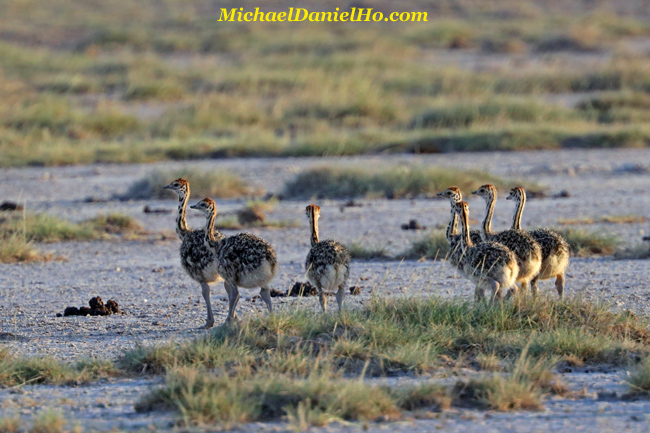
{"x":475,"y":192}
{"x":167,"y":187}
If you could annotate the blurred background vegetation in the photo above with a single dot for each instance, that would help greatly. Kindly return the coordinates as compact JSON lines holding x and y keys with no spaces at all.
{"x":110,"y":81}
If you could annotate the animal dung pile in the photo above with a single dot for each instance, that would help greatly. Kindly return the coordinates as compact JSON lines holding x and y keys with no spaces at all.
{"x":306,"y":289}
{"x":277,"y":293}
{"x":413,"y":225}
{"x":303,"y":289}
{"x":149,"y":209}
{"x":97,"y":308}
{"x":9,"y":206}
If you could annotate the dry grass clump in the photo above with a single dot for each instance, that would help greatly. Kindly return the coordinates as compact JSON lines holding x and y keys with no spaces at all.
{"x":116,"y":224}
{"x":431,"y":396}
{"x":49,"y":421}
{"x":636,"y":252}
{"x":393,"y":182}
{"x":45,"y":370}
{"x":10,"y":424}
{"x":613,"y":219}
{"x":488,"y":362}
{"x":15,"y":248}
{"x":49,"y":228}
{"x":565,"y":43}
{"x":316,"y":397}
{"x":233,"y":223}
{"x":203,"y":183}
{"x":362,"y":251}
{"x":523,"y":388}
{"x":433,"y":246}
{"x":639,"y":378}
{"x":204,"y":398}
{"x":46,"y":228}
{"x":583,"y":243}
{"x":455,"y":115}
{"x":264,"y":206}
{"x":253,"y":215}
{"x":503,"y":393}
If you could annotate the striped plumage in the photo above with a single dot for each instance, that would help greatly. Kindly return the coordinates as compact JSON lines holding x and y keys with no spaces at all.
{"x":454,"y":195}
{"x":526,"y":249}
{"x":555,"y":249}
{"x":488,"y":264}
{"x":196,"y":258}
{"x":243,"y":260}
{"x":327,"y":263}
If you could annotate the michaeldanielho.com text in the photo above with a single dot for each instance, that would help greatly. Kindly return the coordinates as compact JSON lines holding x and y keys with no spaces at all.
{"x":301,"y":14}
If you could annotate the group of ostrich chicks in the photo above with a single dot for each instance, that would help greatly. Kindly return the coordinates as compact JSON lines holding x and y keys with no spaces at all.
{"x":494,"y":261}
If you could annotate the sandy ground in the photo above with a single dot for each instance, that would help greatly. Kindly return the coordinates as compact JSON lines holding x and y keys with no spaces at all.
{"x":163,"y":304}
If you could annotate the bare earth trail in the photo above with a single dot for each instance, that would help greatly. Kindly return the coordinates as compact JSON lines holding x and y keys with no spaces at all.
{"x":163,"y":304}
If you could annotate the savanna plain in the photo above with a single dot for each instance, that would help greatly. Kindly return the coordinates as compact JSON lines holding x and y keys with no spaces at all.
{"x":102,"y":104}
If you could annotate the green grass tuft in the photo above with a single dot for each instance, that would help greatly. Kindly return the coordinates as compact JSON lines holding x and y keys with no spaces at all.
{"x":405,"y":335}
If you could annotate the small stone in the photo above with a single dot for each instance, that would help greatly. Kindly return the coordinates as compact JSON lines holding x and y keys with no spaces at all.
{"x":355,"y":290}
